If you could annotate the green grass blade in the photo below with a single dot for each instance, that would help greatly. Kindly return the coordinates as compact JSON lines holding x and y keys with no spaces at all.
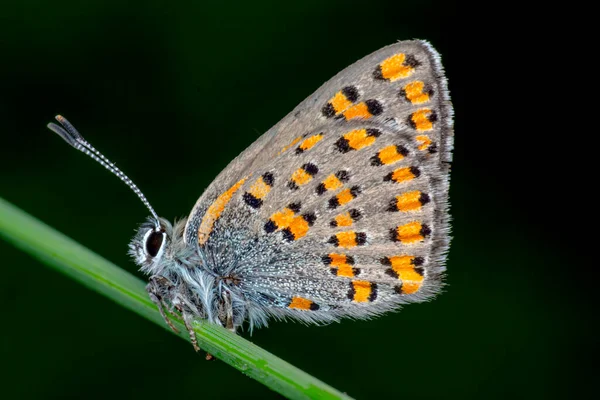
{"x":81,"y":264}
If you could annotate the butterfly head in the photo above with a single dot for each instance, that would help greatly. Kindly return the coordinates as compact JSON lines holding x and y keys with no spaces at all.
{"x":158,"y":248}
{"x":150,"y":243}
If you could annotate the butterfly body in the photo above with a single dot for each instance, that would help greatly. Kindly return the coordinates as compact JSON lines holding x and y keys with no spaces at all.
{"x":340,"y":210}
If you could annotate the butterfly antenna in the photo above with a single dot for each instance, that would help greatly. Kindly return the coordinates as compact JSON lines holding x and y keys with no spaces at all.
{"x":74,"y":138}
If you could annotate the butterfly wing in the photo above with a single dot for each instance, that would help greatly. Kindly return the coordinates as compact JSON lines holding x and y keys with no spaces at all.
{"x":341,"y":208}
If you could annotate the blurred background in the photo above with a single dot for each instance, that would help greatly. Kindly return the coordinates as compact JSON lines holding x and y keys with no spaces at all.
{"x":172,"y":92}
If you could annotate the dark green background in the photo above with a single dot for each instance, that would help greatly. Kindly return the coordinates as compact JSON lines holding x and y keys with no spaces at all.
{"x":172,"y":92}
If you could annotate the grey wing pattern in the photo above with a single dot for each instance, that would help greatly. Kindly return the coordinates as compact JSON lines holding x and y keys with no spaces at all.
{"x":341,"y":208}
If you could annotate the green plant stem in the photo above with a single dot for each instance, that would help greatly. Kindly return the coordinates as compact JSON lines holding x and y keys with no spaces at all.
{"x":83,"y":265}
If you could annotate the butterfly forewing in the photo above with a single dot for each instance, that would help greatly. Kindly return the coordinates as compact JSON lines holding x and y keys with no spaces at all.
{"x":341,"y":208}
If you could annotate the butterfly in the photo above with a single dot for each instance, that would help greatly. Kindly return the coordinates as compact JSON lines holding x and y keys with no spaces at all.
{"x":340,"y":210}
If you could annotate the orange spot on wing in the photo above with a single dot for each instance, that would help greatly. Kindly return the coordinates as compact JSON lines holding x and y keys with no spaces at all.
{"x":411,"y":280}
{"x":403,"y":174}
{"x":389,"y":155}
{"x":342,"y":265}
{"x":409,"y":201}
{"x":340,"y":102}
{"x":344,"y":219}
{"x":401,"y":262}
{"x":424,"y":141}
{"x":414,"y":92}
{"x":338,"y":259}
{"x":332,"y":182}
{"x":346,"y":239}
{"x":310,"y":142}
{"x":359,"y":138}
{"x":403,"y":266}
{"x":301,"y":177}
{"x":420,"y":118}
{"x":283,"y":218}
{"x":345,"y":270}
{"x":410,"y":232}
{"x":359,"y":110}
{"x":259,"y":189}
{"x":301,"y":303}
{"x":298,"y":227}
{"x":214,"y":212}
{"x":345,"y":196}
{"x":393,"y":68}
{"x":362,"y":291}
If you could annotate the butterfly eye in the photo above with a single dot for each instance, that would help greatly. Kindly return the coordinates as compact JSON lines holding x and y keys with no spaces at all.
{"x":154,"y":242}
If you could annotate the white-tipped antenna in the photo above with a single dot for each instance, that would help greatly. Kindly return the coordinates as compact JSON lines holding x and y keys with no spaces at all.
{"x":71,"y":136}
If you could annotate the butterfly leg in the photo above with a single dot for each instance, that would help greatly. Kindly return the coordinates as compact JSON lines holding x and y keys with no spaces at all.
{"x":155,"y":288}
{"x":228,"y":312}
{"x":187,"y":319}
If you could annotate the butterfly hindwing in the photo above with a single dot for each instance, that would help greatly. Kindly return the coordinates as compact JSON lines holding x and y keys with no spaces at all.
{"x":341,"y":208}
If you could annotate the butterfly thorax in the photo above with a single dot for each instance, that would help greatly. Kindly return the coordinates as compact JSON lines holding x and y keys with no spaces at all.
{"x":181,"y":276}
